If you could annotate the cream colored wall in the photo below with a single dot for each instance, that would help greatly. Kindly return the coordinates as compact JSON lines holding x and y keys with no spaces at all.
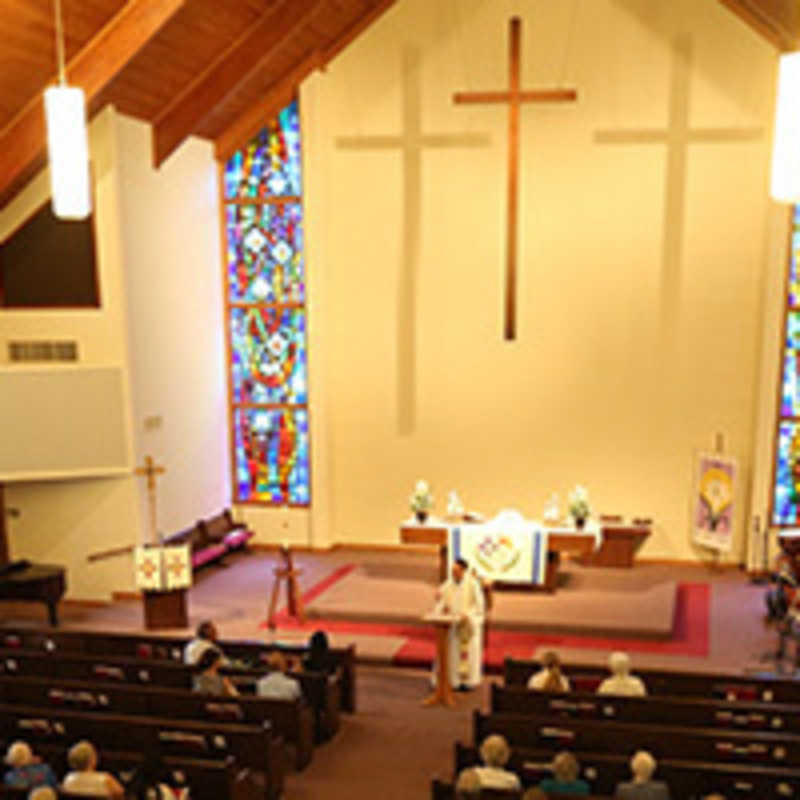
{"x":173,"y":282}
{"x":61,"y":522}
{"x":601,"y":387}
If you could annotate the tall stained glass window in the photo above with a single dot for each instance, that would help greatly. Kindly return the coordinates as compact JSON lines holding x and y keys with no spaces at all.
{"x":786,"y":491}
{"x":266,"y":313}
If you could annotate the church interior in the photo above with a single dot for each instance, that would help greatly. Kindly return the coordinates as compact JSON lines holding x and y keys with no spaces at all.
{"x":401,"y":354}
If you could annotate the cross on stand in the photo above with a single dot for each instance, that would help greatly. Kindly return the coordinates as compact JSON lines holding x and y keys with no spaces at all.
{"x":677,"y":136}
{"x":514,"y":96}
{"x":410,"y":144}
{"x":151,"y":471}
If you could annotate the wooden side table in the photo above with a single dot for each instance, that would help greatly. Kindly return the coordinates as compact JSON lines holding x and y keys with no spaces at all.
{"x":443,"y":693}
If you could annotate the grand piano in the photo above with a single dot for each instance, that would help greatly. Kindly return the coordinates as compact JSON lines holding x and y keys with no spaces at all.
{"x":44,"y":583}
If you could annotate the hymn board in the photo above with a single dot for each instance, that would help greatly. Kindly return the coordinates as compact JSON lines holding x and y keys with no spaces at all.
{"x":514,"y":96}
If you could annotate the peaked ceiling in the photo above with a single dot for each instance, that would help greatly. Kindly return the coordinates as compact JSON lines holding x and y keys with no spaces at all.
{"x":212,"y":68}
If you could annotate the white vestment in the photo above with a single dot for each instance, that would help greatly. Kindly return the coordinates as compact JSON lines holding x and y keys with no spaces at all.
{"x":466,"y":639}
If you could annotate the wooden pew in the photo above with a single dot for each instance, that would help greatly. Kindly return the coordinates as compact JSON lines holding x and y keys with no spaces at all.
{"x":687,"y":780}
{"x":207,"y":779}
{"x":292,"y":720}
{"x":602,"y":736}
{"x":254,"y":747}
{"x":145,"y":645}
{"x":688,"y":711}
{"x":440,"y":790}
{"x":746,"y":688}
{"x":322,"y":691}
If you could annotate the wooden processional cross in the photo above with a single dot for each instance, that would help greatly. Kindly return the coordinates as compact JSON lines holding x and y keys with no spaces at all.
{"x":151,"y":471}
{"x":515,"y":97}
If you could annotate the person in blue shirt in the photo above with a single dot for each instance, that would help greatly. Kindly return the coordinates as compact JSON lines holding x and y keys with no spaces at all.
{"x":565,"y":778}
{"x":27,"y":771}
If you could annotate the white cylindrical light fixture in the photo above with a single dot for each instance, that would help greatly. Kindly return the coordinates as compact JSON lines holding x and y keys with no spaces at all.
{"x":68,"y":151}
{"x":785,"y":184}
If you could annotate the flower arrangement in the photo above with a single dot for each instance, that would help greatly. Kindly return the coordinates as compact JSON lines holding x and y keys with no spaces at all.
{"x":579,"y":507}
{"x":421,"y":500}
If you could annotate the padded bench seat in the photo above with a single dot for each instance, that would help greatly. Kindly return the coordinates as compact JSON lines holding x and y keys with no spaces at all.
{"x":213,"y":538}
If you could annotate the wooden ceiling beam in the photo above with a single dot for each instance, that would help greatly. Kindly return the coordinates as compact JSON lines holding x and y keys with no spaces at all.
{"x":281,"y":92}
{"x":23,"y":139}
{"x":238,"y":63}
{"x":276,"y":97}
{"x":778,"y":21}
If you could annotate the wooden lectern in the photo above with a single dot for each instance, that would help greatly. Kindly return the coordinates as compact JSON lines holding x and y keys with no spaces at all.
{"x":443,"y":694}
{"x":287,"y":573}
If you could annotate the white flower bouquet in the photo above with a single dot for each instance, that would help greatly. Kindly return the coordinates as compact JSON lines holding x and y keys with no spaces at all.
{"x":579,"y":507}
{"x":421,"y":500}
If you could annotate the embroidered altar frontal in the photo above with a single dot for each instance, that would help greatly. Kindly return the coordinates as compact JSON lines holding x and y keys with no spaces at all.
{"x":505,"y":553}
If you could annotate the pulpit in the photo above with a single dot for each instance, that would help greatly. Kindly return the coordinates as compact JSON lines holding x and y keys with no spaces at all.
{"x":443,"y":693}
{"x":163,"y":574}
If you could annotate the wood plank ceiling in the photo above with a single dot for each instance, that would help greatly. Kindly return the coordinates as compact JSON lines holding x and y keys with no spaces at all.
{"x":202,"y":69}
{"x":212,"y":68}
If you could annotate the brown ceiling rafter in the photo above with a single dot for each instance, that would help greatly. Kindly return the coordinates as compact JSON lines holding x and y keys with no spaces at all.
{"x":245,"y":57}
{"x":778,"y":21}
{"x":23,"y":139}
{"x":283,"y":90}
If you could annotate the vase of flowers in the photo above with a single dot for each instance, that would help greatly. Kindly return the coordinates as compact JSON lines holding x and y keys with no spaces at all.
{"x":579,"y":507}
{"x":421,"y":501}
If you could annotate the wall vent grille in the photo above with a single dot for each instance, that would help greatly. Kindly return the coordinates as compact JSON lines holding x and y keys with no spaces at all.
{"x":42,"y":351}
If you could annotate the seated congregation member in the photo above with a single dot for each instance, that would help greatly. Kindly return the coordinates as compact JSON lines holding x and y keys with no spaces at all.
{"x":319,"y":658}
{"x":468,"y":785}
{"x":549,"y":678}
{"x":207,"y":678}
{"x":84,"y":777}
{"x":495,"y":753}
{"x":43,"y":793}
{"x":27,"y":771}
{"x":277,"y":684}
{"x":153,"y":781}
{"x":642,"y":787}
{"x":565,"y":778}
{"x":205,"y":637}
{"x":621,"y":682}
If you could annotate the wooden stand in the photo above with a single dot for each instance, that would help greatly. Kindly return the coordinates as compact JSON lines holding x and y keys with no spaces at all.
{"x":165,"y":609}
{"x":295,"y":602}
{"x":620,"y":543}
{"x":443,"y":694}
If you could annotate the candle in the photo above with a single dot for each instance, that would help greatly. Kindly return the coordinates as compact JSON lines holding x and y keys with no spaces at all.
{"x":285,"y":544}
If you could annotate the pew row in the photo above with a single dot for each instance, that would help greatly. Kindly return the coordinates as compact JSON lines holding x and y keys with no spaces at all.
{"x":322,"y":691}
{"x":292,"y":720}
{"x":207,"y":779}
{"x":687,"y":779}
{"x":603,"y":736}
{"x":254,"y":747}
{"x":746,"y":688}
{"x":170,"y":648}
{"x":688,"y":711}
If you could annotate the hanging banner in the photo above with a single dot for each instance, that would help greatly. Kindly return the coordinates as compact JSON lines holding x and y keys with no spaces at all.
{"x":714,"y":502}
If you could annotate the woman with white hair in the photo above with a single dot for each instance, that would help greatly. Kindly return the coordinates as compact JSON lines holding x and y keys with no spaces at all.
{"x":85,"y":778}
{"x":27,"y":771}
{"x":642,"y":787}
{"x":43,"y":793}
{"x":621,"y":682}
{"x":495,"y":753}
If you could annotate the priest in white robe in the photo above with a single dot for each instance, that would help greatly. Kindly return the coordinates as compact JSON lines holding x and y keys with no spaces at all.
{"x":462,"y":596}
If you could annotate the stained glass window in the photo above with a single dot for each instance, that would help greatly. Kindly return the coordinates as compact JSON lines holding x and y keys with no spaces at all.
{"x":786,"y":491}
{"x":266,"y":298}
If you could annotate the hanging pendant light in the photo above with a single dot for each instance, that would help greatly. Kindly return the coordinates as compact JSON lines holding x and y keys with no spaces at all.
{"x":785,"y":185}
{"x":67,"y":140}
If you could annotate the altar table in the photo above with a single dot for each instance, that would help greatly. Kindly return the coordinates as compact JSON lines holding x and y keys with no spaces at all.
{"x":558,"y":540}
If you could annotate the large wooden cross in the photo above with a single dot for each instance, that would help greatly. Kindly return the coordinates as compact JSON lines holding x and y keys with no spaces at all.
{"x":514,"y":96}
{"x":151,"y":471}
